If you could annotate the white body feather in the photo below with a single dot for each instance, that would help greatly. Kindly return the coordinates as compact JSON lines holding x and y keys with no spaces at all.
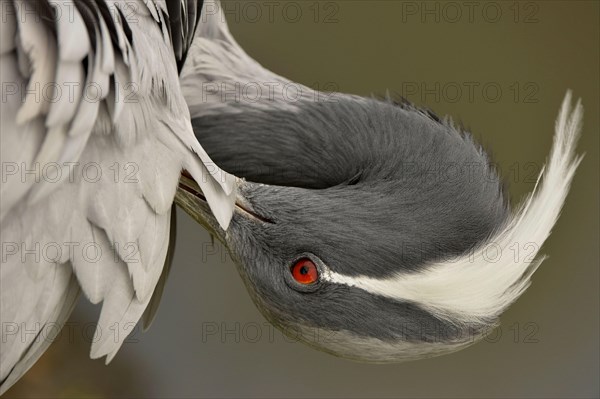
{"x":88,"y":186}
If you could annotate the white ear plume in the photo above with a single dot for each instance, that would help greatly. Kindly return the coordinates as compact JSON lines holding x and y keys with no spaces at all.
{"x":478,"y":286}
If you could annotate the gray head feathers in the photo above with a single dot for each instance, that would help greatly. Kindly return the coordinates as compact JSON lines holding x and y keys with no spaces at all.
{"x":400,"y":211}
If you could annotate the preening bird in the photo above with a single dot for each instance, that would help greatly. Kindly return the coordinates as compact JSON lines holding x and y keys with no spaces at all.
{"x":368,"y":228}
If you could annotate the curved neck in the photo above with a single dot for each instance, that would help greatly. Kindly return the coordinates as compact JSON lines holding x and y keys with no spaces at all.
{"x":313,"y":145}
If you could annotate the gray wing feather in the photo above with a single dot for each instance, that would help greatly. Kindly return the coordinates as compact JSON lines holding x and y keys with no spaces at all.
{"x":99,"y":177}
{"x":152,"y":308}
{"x":57,"y":320}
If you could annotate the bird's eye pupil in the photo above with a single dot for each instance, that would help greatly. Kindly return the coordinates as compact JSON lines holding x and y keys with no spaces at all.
{"x":304,"y":271}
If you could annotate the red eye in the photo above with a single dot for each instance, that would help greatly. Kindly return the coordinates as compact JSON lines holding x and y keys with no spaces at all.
{"x":305,"y":271}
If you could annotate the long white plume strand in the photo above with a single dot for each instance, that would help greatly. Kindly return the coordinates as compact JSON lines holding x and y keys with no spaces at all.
{"x":478,"y":286}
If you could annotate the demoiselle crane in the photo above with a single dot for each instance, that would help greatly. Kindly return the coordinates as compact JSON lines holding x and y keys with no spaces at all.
{"x":339,"y":227}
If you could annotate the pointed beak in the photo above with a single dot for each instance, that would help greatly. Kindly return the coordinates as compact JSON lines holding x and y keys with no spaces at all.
{"x":191,"y":199}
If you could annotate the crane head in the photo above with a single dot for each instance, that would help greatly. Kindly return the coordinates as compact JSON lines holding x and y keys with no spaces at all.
{"x":368,"y":228}
{"x":340,"y":206}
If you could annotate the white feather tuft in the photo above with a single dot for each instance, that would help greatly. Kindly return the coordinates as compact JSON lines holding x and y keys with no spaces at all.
{"x":477,"y":287}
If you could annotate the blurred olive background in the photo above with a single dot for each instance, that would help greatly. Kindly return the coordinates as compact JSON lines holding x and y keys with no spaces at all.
{"x":501,"y":68}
